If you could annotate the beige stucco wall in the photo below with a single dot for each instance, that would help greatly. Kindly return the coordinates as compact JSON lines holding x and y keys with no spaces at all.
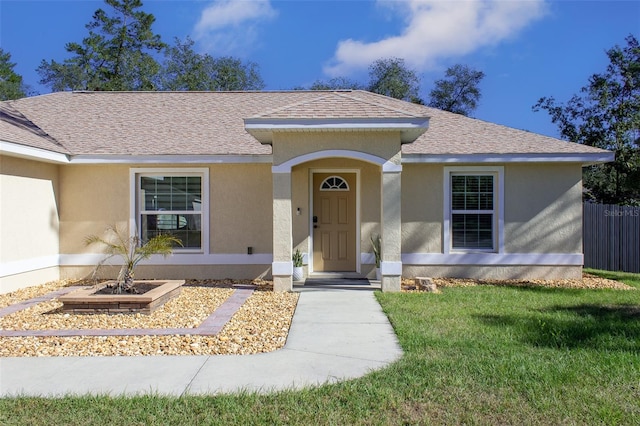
{"x":543,"y":208}
{"x":290,"y":145}
{"x":422,"y":208}
{"x":29,"y":220}
{"x":94,"y":197}
{"x":241,"y":208}
{"x":542,"y":214}
{"x":240,"y":216}
{"x":239,"y":199}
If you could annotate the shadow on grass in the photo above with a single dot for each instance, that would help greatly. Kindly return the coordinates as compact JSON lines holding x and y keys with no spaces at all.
{"x":588,"y":326}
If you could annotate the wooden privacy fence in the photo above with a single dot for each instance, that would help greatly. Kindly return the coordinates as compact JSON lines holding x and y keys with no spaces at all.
{"x":611,"y":237}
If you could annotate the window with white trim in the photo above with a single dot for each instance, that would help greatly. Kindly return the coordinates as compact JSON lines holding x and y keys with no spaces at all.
{"x":172,"y":202}
{"x":473,"y":209}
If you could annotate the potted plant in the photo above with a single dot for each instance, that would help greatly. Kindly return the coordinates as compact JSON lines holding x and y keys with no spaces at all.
{"x":132,"y":250}
{"x":376,"y":242}
{"x":298,"y":271}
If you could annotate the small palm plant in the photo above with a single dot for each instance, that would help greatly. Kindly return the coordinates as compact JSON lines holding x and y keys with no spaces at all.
{"x":132,"y":250}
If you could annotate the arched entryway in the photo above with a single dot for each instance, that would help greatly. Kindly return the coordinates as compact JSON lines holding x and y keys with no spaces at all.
{"x":330,"y":199}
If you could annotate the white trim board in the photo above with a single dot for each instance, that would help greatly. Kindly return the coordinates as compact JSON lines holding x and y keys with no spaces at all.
{"x":387,"y":166}
{"x":176,"y":259}
{"x":494,"y":259}
{"x":282,"y":268}
{"x":479,"y":259}
{"x":92,"y":259}
{"x":31,"y":153}
{"x":585,"y":158}
{"x":410,"y":128}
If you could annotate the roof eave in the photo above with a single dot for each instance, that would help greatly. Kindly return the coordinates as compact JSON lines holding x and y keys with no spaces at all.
{"x":31,"y":153}
{"x":586,"y":158}
{"x":263,"y":128}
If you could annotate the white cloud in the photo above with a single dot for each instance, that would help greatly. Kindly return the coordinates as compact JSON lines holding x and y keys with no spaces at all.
{"x":227,"y":26}
{"x":436,"y":29}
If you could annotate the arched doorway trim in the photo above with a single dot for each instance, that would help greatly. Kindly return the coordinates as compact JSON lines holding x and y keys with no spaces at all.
{"x":387,"y":166}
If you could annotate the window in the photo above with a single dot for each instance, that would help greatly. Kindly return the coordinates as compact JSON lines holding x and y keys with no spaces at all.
{"x":334,"y":183}
{"x":171,"y":202}
{"x":473,"y":220}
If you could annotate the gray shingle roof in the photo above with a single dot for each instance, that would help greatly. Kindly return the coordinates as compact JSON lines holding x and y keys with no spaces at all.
{"x":211,"y":123}
{"x":17,"y":128}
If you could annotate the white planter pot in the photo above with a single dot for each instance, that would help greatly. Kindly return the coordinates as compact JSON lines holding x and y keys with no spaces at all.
{"x":298,"y":273}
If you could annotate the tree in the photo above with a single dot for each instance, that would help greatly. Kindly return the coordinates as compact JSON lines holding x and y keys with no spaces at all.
{"x":606,"y":114}
{"x":458,"y":92}
{"x":338,"y":83}
{"x":116,"y":55}
{"x":11,"y":86}
{"x":185,"y":69}
{"x":391,"y":77}
{"x":232,"y":74}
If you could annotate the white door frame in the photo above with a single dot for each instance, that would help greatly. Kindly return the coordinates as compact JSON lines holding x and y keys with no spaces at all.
{"x":311,"y":191}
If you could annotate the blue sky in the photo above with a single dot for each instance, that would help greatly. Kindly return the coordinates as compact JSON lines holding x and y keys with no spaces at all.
{"x":527,"y":49}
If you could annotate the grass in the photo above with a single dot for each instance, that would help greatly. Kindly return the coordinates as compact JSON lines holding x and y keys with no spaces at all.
{"x":475,"y":355}
{"x":625,"y":277}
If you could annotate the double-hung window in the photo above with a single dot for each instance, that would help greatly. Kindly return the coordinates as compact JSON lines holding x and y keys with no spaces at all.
{"x":472,"y":210}
{"x":172,"y":202}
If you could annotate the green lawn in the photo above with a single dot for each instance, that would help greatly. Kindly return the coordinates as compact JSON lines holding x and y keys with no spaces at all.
{"x":475,"y":355}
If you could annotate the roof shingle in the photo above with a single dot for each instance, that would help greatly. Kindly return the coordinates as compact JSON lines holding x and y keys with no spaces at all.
{"x":211,"y":123}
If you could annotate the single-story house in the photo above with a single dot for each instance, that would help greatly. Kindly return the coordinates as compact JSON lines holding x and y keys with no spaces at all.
{"x":246,"y":178}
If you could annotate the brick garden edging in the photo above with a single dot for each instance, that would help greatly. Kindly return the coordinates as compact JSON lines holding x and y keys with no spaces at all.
{"x":209,"y":327}
{"x":89,"y":300}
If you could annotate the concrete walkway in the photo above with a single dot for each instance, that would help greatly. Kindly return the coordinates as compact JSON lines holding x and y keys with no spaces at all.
{"x":338,"y":332}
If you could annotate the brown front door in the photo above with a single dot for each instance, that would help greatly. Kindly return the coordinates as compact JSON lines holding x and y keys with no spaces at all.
{"x":334,"y":212}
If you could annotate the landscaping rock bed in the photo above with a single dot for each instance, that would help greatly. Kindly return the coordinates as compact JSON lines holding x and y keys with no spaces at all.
{"x":587,"y":282}
{"x":260,"y":325}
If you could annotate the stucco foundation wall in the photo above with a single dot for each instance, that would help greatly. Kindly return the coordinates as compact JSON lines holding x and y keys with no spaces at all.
{"x":15,"y":282}
{"x":29,"y":222}
{"x":494,"y":272}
